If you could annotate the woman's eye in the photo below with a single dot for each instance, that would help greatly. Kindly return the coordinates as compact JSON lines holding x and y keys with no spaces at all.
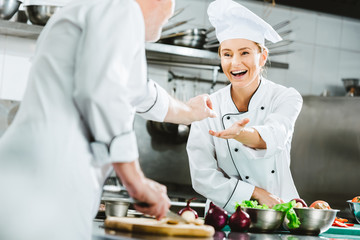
{"x":227,"y":54}
{"x":244,"y":53}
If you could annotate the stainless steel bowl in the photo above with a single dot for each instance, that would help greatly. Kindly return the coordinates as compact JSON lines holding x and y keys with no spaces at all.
{"x":8,"y":8}
{"x":313,"y":221}
{"x":40,"y":14}
{"x":116,"y":209}
{"x":264,"y":220}
{"x":355,"y":209}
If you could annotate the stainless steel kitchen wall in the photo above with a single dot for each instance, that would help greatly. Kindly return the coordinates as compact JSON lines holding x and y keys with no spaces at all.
{"x":326,"y":150}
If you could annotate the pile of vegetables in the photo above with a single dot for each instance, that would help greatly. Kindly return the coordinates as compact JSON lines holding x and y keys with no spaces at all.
{"x":287,"y":208}
{"x":240,"y":221}
{"x":356,"y":199}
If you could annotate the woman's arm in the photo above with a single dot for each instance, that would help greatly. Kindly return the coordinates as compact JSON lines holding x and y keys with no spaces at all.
{"x":206,"y":175}
{"x":276,"y":130}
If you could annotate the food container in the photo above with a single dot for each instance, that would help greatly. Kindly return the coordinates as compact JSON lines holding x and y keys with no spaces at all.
{"x":264,"y":220}
{"x":355,"y":209}
{"x":313,"y":221}
{"x":8,"y":8}
{"x":116,"y":208}
{"x":40,"y":14}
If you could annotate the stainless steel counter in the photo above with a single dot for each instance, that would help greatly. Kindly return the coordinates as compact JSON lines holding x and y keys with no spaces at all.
{"x":99,"y":233}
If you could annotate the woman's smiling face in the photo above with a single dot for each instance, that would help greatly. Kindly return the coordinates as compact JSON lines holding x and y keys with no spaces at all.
{"x":241,"y":61}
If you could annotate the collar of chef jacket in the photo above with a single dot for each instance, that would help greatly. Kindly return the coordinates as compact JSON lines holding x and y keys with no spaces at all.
{"x":228,"y":106}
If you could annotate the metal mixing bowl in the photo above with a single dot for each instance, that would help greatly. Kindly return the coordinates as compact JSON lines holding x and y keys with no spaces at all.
{"x":116,"y":209}
{"x":264,"y":220}
{"x":355,"y":209}
{"x":313,"y":221}
{"x":8,"y":8}
{"x":40,"y":14}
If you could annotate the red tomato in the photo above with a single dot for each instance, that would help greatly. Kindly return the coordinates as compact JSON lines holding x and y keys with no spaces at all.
{"x":320,"y":204}
{"x":356,"y":199}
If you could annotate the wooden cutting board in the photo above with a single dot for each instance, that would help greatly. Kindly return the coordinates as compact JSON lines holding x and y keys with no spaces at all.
{"x":152,"y":226}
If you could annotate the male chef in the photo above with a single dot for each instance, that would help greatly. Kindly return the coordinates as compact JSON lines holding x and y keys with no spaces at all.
{"x":88,"y":79}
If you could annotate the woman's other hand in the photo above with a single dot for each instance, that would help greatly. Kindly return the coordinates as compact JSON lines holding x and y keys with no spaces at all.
{"x":233,"y":131}
{"x":246,"y":135}
{"x":264,"y":197}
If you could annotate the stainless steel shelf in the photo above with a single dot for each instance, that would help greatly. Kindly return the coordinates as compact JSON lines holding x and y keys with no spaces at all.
{"x":154,"y":51}
{"x":19,"y":29}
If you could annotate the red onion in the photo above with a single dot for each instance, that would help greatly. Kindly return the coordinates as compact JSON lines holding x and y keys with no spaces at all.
{"x":299,"y":200}
{"x":239,"y":221}
{"x":216,"y":217}
{"x":188,"y":208}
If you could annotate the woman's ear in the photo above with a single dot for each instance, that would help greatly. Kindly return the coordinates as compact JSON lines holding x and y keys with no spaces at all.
{"x":263,"y":57}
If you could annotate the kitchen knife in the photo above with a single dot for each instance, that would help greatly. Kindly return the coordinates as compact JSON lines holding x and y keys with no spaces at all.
{"x":171,"y":215}
{"x":174,"y":216}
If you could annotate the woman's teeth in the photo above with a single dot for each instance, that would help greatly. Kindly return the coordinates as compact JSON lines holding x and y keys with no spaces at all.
{"x":238,"y":73}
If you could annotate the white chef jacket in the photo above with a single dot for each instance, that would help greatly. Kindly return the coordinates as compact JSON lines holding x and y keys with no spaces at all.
{"x":88,"y":79}
{"x":226,"y":171}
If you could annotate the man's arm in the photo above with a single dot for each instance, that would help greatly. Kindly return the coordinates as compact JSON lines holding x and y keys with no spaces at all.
{"x":143,"y":189}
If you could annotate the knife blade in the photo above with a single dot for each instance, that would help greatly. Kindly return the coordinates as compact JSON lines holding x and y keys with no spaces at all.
{"x":169,"y":214}
{"x":174,"y":216}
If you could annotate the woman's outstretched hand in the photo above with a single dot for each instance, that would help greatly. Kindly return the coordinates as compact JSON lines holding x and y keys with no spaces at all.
{"x":233,"y":131}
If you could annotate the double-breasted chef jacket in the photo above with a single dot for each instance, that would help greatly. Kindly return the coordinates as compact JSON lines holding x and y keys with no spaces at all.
{"x":226,"y":171}
{"x":88,"y":79}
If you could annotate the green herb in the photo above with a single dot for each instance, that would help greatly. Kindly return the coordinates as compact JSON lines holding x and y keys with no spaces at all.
{"x":288,"y":209}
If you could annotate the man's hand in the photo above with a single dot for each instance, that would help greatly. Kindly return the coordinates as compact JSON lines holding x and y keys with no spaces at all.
{"x":201,"y":107}
{"x":196,"y":109}
{"x":143,"y":189}
{"x":155,"y":195}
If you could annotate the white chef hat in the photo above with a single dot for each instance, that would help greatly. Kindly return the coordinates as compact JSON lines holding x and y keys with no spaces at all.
{"x":232,"y":20}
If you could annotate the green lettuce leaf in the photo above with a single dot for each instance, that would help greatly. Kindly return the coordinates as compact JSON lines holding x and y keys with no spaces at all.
{"x":251,"y":204}
{"x":288,"y":209}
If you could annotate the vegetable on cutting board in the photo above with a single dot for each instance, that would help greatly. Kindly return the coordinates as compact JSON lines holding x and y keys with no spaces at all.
{"x":341,"y":222}
{"x":188,"y":213}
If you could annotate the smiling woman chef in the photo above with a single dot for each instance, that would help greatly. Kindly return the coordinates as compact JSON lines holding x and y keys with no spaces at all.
{"x":245,"y":153}
{"x":87,"y":80}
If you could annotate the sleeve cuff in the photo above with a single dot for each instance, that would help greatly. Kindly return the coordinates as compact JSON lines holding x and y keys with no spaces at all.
{"x":242,"y":191}
{"x":266,"y":135}
{"x":158,"y":110}
{"x":123,"y":148}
